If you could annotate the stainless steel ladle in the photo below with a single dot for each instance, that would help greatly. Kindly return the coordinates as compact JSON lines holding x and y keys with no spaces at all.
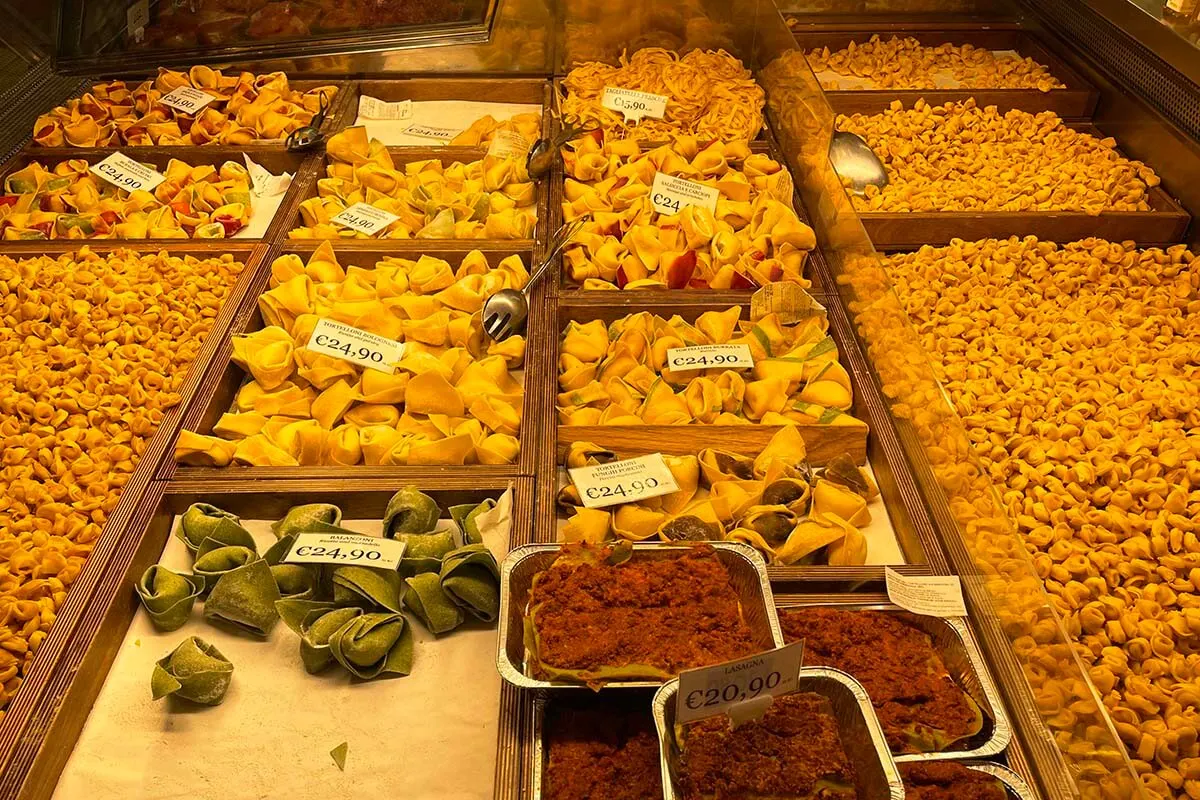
{"x":505,"y":312}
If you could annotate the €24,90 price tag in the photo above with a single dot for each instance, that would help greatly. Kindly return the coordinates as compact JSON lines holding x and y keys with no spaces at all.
{"x":670,"y":195}
{"x":187,"y":99}
{"x":709,"y":691}
{"x":623,"y":481}
{"x":123,"y":172}
{"x":430,"y":132}
{"x":345,"y":549}
{"x":356,"y":346}
{"x":365,"y":218}
{"x":709,"y":356}
{"x":634,"y":104}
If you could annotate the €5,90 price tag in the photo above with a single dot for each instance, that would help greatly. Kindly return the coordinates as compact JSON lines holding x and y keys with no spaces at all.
{"x":345,"y":549}
{"x":624,"y":481}
{"x":670,"y":195}
{"x":365,"y":218}
{"x":709,"y":691}
{"x":634,"y":104}
{"x":187,"y":99}
{"x":123,"y":172}
{"x":709,"y":356}
{"x":356,"y":346}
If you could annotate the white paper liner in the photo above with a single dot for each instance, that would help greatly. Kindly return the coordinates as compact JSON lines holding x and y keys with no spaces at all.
{"x":943,"y":79}
{"x":457,"y":114}
{"x":262,"y":211}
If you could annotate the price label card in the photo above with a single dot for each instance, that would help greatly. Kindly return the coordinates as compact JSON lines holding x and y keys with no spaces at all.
{"x":930,"y":595}
{"x":374,"y":108}
{"x":365,"y":218}
{"x":508,"y":144}
{"x":265,"y":184}
{"x":345,"y":550}
{"x":356,"y":346}
{"x":714,"y":690}
{"x":123,"y":172}
{"x":787,"y":300}
{"x":784,"y":189}
{"x":633,"y":104}
{"x":670,"y":195}
{"x":624,"y":481}
{"x":137,"y":17}
{"x":710,"y":356}
{"x":430,"y":132}
{"x":187,"y":99}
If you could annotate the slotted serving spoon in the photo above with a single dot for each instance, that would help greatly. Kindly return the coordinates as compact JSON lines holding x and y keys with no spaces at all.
{"x":505,"y":312}
{"x":855,"y":162}
{"x":310,"y":137}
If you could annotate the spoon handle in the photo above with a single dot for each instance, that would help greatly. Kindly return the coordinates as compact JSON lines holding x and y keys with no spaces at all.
{"x":560,"y":239}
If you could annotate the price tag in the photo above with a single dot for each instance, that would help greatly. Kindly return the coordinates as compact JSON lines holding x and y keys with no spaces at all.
{"x":345,"y":550}
{"x":508,"y":144}
{"x":123,"y":172}
{"x":633,"y":104}
{"x":623,"y":481}
{"x":365,"y":218}
{"x":187,"y":99}
{"x":356,"y":346}
{"x":709,"y":356}
{"x":670,"y":194}
{"x":430,"y":132}
{"x":374,"y":108}
{"x":714,"y":690}
{"x":265,"y":184}
{"x":137,"y":17}
{"x":930,"y":595}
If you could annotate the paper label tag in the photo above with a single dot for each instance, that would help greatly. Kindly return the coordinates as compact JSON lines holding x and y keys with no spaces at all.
{"x":714,"y":690}
{"x":374,"y":108}
{"x":123,"y":172}
{"x":263,"y":182}
{"x":634,"y":104}
{"x":508,"y":144}
{"x":785,"y":189}
{"x":137,"y":17}
{"x":787,"y":300}
{"x":346,"y":550}
{"x":357,"y":346}
{"x":623,"y":481}
{"x":670,"y":194}
{"x":365,"y":218}
{"x":187,"y":99}
{"x":709,"y":356}
{"x":430,"y":132}
{"x":930,"y":595}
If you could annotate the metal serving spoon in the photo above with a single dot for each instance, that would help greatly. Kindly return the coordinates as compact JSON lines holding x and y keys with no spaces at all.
{"x":310,"y":137}
{"x":856,"y":163}
{"x":505,"y":312}
{"x":546,"y":152}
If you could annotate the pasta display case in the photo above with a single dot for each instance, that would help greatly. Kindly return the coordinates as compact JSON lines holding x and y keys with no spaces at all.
{"x":468,"y":386}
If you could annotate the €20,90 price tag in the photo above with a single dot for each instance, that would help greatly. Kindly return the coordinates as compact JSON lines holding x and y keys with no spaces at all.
{"x":634,"y":104}
{"x":714,"y":690}
{"x":670,"y":195}
{"x":345,"y":549}
{"x":187,"y":99}
{"x":709,"y":356}
{"x":623,"y":481}
{"x":123,"y":172}
{"x":365,"y":218}
{"x":356,"y":346}
{"x":430,"y":132}
{"x":374,"y":108}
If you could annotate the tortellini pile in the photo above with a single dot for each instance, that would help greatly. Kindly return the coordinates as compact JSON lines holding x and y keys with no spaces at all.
{"x":617,"y":374}
{"x":69,"y":202}
{"x":771,"y":502}
{"x":481,"y":132}
{"x":753,"y":238}
{"x":452,"y":398}
{"x":249,"y":109}
{"x":492,"y":198}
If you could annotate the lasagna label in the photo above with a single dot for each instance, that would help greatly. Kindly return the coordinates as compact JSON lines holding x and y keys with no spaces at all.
{"x":930,"y":595}
{"x":742,"y":689}
{"x":623,"y":481}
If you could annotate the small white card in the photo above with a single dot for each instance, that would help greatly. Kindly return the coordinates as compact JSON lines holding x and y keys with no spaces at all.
{"x":137,"y":17}
{"x":123,"y":172}
{"x":634,"y":104}
{"x":785,"y":189}
{"x":374,"y":108}
{"x":187,"y":99}
{"x":508,"y":144}
{"x":710,"y":356}
{"x":263,"y":182}
{"x":930,"y":595}
{"x":670,"y":195}
{"x":345,"y":550}
{"x":430,"y":132}
{"x":709,"y":691}
{"x":623,"y":481}
{"x":365,"y":218}
{"x":357,"y":346}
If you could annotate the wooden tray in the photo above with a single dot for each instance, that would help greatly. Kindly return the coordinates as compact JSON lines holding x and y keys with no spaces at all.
{"x":1077,"y":101}
{"x":58,"y":707}
{"x":225,"y":378}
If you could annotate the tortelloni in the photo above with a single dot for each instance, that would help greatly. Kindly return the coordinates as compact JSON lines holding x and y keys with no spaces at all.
{"x":69,"y":202}
{"x":492,"y":198}
{"x":772,"y":502}
{"x":452,"y":398}
{"x":618,"y":374}
{"x":753,"y":237}
{"x":248,"y":109}
{"x":482,"y":131}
